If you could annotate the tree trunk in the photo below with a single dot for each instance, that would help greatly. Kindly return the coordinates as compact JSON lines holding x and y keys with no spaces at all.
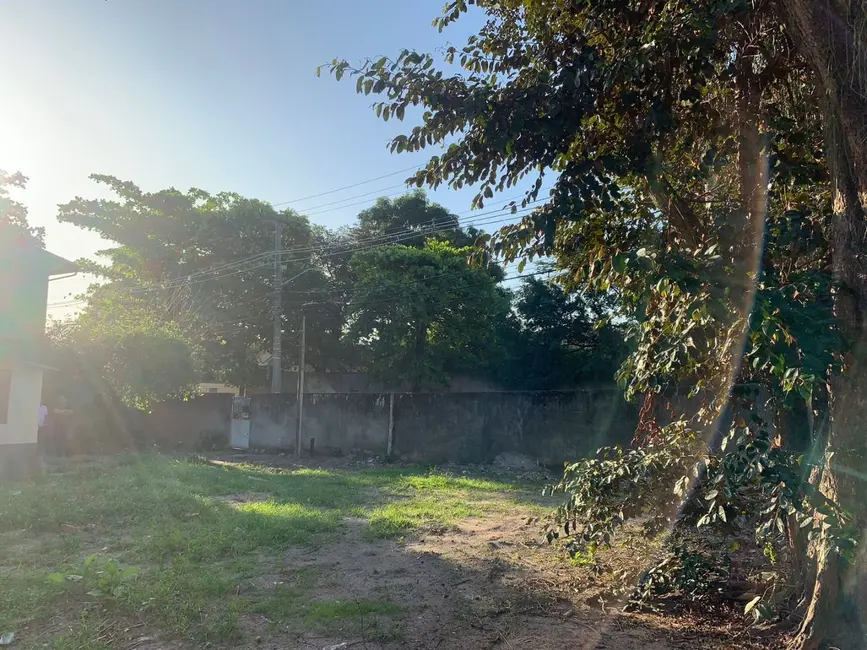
{"x":832,"y":36}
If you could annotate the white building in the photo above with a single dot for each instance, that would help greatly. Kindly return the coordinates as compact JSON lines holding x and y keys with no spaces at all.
{"x":24,"y":272}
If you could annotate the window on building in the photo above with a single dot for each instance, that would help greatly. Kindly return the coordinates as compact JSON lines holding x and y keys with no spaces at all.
{"x":5,"y":390}
{"x":212,"y":390}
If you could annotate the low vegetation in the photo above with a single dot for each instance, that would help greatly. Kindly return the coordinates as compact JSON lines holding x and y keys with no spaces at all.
{"x":195,"y":549}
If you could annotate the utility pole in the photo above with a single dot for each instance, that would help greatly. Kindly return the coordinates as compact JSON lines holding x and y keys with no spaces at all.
{"x":300,"y":400}
{"x":277,"y":345}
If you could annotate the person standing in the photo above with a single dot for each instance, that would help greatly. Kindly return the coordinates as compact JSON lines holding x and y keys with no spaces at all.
{"x":43,"y":415}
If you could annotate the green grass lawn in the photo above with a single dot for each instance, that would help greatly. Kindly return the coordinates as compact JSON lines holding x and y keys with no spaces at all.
{"x":165,"y":543}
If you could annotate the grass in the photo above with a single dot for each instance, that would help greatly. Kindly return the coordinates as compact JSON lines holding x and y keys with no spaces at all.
{"x":196,"y":531}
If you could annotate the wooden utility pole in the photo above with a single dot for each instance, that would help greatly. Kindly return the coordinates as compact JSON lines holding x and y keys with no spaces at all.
{"x":300,"y":400}
{"x":277,"y":344}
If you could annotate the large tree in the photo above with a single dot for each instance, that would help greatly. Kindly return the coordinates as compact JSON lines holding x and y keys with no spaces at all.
{"x":121,"y":348}
{"x":13,"y":214}
{"x":411,"y":220}
{"x":206,"y":264}
{"x":674,"y":129}
{"x":420,"y":315}
{"x":560,"y":339}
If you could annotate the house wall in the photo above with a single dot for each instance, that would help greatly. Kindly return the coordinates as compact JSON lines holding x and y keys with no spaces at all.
{"x":19,"y":435}
{"x":23,"y":305}
{"x":210,"y":388}
{"x":25,"y":396}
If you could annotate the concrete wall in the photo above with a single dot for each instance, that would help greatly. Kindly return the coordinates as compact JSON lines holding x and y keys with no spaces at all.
{"x":194,"y":423}
{"x":272,"y":421}
{"x":336,"y":421}
{"x":550,"y":427}
{"x":25,"y":396}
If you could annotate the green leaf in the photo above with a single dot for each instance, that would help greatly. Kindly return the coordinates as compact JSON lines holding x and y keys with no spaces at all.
{"x":619,"y":263}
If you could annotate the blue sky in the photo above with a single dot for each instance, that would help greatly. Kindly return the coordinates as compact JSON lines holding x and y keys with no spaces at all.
{"x":217,"y":94}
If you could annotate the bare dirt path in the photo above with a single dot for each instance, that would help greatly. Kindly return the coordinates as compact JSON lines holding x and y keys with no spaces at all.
{"x":489,"y":582}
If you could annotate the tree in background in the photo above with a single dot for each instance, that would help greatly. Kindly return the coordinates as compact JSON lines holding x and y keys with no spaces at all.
{"x":122,"y":348}
{"x":419,"y":315}
{"x":198,"y":267}
{"x":411,"y":220}
{"x":204,"y":264}
{"x":13,"y":214}
{"x":561,"y":339}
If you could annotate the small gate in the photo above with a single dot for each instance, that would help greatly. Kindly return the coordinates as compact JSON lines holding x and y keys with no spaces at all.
{"x":240,"y":432}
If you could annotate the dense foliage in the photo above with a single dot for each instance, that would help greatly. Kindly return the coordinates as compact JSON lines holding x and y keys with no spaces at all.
{"x":421,"y":314}
{"x":189,"y":284}
{"x":693,"y":146}
{"x":13,"y":214}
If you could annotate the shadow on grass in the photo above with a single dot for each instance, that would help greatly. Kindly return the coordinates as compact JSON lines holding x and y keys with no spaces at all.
{"x":197,"y":530}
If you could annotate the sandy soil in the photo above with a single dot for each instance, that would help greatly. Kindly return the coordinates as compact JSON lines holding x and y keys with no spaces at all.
{"x":491,"y":582}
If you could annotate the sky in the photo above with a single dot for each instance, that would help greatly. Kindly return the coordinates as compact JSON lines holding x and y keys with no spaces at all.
{"x":216,"y":94}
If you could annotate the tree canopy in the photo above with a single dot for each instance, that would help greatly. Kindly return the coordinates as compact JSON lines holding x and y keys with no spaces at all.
{"x":395,"y":295}
{"x":421,"y":314}
{"x":708,"y":161}
{"x":13,"y":214}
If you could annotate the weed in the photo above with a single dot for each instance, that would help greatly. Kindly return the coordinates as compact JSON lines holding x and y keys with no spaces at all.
{"x":100,"y":579}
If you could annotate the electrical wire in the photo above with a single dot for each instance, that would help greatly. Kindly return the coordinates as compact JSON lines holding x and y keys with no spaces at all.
{"x":348,"y":187}
{"x":306,"y":211}
{"x":235,"y":267}
{"x":236,"y":326}
{"x":374,"y":242}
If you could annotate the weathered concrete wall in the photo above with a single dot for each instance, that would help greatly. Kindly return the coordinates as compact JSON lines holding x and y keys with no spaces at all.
{"x":22,"y":411}
{"x":346,"y":421}
{"x":272,"y":421}
{"x":550,"y":427}
{"x":199,"y":422}
{"x":336,"y":421}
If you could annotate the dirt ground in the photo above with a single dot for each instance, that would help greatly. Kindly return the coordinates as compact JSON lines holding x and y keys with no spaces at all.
{"x":485,"y":581}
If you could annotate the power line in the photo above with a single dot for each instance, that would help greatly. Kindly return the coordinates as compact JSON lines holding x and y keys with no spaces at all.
{"x":391,"y":298}
{"x":234,"y":268}
{"x":263,"y":259}
{"x":349,"y":187}
{"x":306,"y":211}
{"x":350,"y":205}
{"x":238,"y":325}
